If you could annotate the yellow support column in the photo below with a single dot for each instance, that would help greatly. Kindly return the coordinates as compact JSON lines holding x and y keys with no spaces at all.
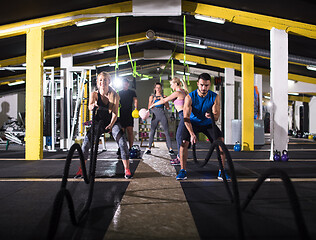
{"x":34,"y":94}
{"x":247,"y":121}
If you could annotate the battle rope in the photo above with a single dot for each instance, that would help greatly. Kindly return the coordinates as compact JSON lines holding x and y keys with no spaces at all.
{"x":88,"y":179}
{"x":234,"y":196}
{"x":295,"y":204}
{"x":296,"y":208}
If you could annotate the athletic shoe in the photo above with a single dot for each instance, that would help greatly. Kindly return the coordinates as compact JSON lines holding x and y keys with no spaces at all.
{"x":182,"y":175}
{"x":79,"y":173}
{"x":171,"y":151}
{"x":128,"y":174}
{"x":175,"y":162}
{"x":220,"y":175}
{"x":148,"y":151}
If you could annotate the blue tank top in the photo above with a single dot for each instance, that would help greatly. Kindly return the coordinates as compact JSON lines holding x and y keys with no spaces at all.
{"x":158,"y":98}
{"x":199,"y":107}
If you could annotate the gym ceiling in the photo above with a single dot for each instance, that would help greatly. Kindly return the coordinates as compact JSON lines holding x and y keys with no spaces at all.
{"x":246,"y":29}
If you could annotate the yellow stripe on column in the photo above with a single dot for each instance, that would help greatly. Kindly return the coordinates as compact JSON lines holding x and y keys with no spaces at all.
{"x":34,"y":94}
{"x":247,"y":121}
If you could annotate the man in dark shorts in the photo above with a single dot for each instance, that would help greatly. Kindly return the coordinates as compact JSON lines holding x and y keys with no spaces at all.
{"x":198,"y":119}
{"x":128,"y":98}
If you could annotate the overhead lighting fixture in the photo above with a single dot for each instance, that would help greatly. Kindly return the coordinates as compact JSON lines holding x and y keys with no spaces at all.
{"x":209,"y":19}
{"x":182,"y":73}
{"x":295,"y":94}
{"x":117,"y":83}
{"x":108,"y":48}
{"x":196,"y":45}
{"x":16,"y":83}
{"x":125,"y":74}
{"x":144,"y":78}
{"x":311,"y":67}
{"x":188,"y":62}
{"x":89,"y":22}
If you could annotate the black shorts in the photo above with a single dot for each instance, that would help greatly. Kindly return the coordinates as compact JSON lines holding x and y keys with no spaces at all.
{"x":206,"y":130}
{"x":126,"y":121}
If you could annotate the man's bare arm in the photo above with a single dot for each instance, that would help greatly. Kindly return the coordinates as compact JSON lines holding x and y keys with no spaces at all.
{"x":216,"y":108}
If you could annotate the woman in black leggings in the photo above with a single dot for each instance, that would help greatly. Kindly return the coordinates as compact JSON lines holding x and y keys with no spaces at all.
{"x":158,"y":116}
{"x":106,"y":97}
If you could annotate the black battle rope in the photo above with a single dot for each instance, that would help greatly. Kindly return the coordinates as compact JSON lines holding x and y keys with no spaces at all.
{"x":234,"y":196}
{"x":295,"y":204}
{"x":88,"y":179}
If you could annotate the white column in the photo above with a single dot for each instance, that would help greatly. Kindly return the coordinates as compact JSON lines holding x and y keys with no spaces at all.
{"x":312,"y":115}
{"x":66,"y":62}
{"x":279,"y":90}
{"x":258,"y":83}
{"x":229,"y":104}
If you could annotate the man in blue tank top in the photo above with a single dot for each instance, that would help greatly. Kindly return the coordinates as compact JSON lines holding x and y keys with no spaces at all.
{"x":197,"y":119}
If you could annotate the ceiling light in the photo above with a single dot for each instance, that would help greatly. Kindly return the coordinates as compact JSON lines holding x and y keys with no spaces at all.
{"x":16,"y":83}
{"x":295,"y":94}
{"x":188,"y":62}
{"x":182,"y":73}
{"x":209,"y":19}
{"x":311,"y":67}
{"x":89,"y":22}
{"x":125,"y":74}
{"x":108,"y":48}
{"x":144,"y":78}
{"x":196,"y":45}
{"x":117,"y":83}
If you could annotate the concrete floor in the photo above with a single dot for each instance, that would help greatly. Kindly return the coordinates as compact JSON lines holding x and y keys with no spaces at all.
{"x":153,"y":205}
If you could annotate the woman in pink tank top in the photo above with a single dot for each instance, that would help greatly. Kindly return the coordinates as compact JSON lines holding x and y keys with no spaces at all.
{"x":180,"y":91}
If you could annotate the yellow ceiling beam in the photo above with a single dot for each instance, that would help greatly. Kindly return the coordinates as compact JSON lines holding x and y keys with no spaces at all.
{"x":111,"y":60}
{"x":13,"y":61}
{"x":237,"y":66}
{"x":65,"y":19}
{"x":299,"y":98}
{"x":208,"y":61}
{"x":178,"y":56}
{"x":78,"y":48}
{"x":122,"y":58}
{"x":250,"y":19}
{"x":90,"y":46}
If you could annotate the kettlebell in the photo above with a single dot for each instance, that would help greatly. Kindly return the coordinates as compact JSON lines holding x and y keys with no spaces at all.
{"x":285,"y":156}
{"x":314,"y":137}
{"x":135,"y":113}
{"x":237,"y":147}
{"x":310,"y":137}
{"x":133,"y":153}
{"x":276,"y":156}
{"x":295,"y":134}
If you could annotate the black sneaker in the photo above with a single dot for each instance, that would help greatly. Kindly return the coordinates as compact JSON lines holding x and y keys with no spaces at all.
{"x":148,"y":151}
{"x":171,"y":152}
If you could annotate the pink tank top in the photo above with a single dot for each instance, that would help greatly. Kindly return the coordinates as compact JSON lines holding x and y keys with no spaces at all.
{"x":179,"y":102}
